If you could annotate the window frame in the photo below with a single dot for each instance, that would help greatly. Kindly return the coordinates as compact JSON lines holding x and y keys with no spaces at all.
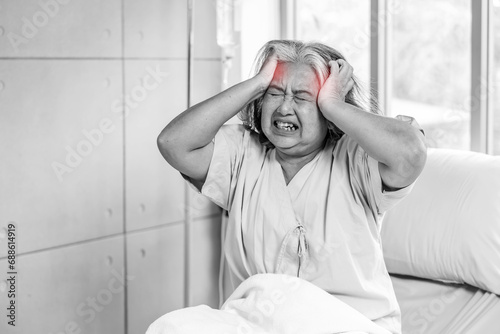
{"x":481,"y":80}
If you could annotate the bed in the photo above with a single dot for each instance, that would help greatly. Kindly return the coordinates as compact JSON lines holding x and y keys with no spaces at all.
{"x":442,"y":246}
{"x":433,"y":307}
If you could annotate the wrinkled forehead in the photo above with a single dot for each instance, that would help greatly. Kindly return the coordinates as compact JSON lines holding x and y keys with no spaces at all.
{"x":297,"y":76}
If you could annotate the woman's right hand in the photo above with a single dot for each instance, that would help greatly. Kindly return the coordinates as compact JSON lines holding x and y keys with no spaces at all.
{"x":266,"y":73}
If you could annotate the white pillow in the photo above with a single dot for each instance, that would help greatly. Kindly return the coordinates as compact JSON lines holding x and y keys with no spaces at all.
{"x":448,"y":227}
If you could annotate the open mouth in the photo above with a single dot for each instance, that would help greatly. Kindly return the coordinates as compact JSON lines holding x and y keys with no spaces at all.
{"x":286,"y":126}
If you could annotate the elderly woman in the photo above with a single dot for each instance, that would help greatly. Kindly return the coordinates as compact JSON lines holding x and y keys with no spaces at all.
{"x":307,"y":177}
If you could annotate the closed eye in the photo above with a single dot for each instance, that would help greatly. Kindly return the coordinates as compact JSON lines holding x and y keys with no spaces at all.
{"x":302,"y":98}
{"x":304,"y":95}
{"x":274,"y":90}
{"x":275,"y":93}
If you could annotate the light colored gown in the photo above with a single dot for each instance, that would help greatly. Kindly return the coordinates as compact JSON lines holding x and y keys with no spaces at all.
{"x":323,"y":226}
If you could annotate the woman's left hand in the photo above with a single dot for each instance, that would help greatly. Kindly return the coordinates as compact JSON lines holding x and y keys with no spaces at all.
{"x":337,"y":85}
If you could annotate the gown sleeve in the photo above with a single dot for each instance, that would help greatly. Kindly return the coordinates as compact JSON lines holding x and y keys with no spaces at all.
{"x":220,"y":183}
{"x":366,"y":173}
{"x":367,"y":182}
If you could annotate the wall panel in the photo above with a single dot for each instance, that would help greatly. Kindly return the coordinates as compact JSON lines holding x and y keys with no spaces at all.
{"x":204,"y":260}
{"x":66,"y":145}
{"x":61,"y":145}
{"x":207,"y":78}
{"x":156,"y":261}
{"x":78,"y":287}
{"x":156,"y":190}
{"x":56,"y":28}
{"x":206,"y":83}
{"x":205,"y":30}
{"x":156,"y":28}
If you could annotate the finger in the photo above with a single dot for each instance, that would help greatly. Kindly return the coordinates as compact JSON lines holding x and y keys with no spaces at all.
{"x":272,"y":58}
{"x":341,"y":62}
{"x":270,"y":63}
{"x":334,"y":66}
{"x":346,"y":75}
{"x":349,"y":86}
{"x":344,"y":65}
{"x":350,"y":70}
{"x":346,"y":71}
{"x":273,"y":55}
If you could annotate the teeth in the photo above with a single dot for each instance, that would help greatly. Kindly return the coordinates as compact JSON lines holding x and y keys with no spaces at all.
{"x":285,"y":126}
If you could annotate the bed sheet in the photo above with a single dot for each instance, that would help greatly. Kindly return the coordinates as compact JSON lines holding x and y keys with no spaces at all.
{"x":270,"y":303}
{"x":434,"y":307}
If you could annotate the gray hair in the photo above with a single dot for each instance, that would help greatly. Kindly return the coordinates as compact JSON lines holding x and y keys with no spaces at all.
{"x":316,"y":55}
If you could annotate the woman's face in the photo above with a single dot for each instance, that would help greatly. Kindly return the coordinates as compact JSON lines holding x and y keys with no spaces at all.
{"x":290,"y":116}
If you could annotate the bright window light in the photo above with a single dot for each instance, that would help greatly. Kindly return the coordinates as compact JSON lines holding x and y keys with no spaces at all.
{"x":431,"y":71}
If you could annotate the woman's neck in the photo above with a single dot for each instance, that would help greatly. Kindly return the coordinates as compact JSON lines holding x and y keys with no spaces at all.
{"x":292,"y":164}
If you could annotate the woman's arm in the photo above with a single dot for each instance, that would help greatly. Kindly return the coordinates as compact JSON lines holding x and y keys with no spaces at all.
{"x":397,"y":145}
{"x":186,"y":142}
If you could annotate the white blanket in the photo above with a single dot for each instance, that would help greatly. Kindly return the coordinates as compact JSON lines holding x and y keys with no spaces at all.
{"x":270,"y":303}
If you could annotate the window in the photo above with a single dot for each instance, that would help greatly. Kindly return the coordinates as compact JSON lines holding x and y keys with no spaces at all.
{"x":427,"y":61}
{"x":341,"y":24}
{"x":431,"y":68}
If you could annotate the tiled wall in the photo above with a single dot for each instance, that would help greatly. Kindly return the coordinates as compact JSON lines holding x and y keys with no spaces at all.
{"x":109,"y":237}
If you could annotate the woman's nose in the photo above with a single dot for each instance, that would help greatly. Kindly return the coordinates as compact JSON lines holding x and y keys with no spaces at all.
{"x":285,"y":107}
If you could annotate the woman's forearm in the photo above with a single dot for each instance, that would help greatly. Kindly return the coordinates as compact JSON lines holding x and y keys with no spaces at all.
{"x":394,"y":143}
{"x":197,"y":126}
